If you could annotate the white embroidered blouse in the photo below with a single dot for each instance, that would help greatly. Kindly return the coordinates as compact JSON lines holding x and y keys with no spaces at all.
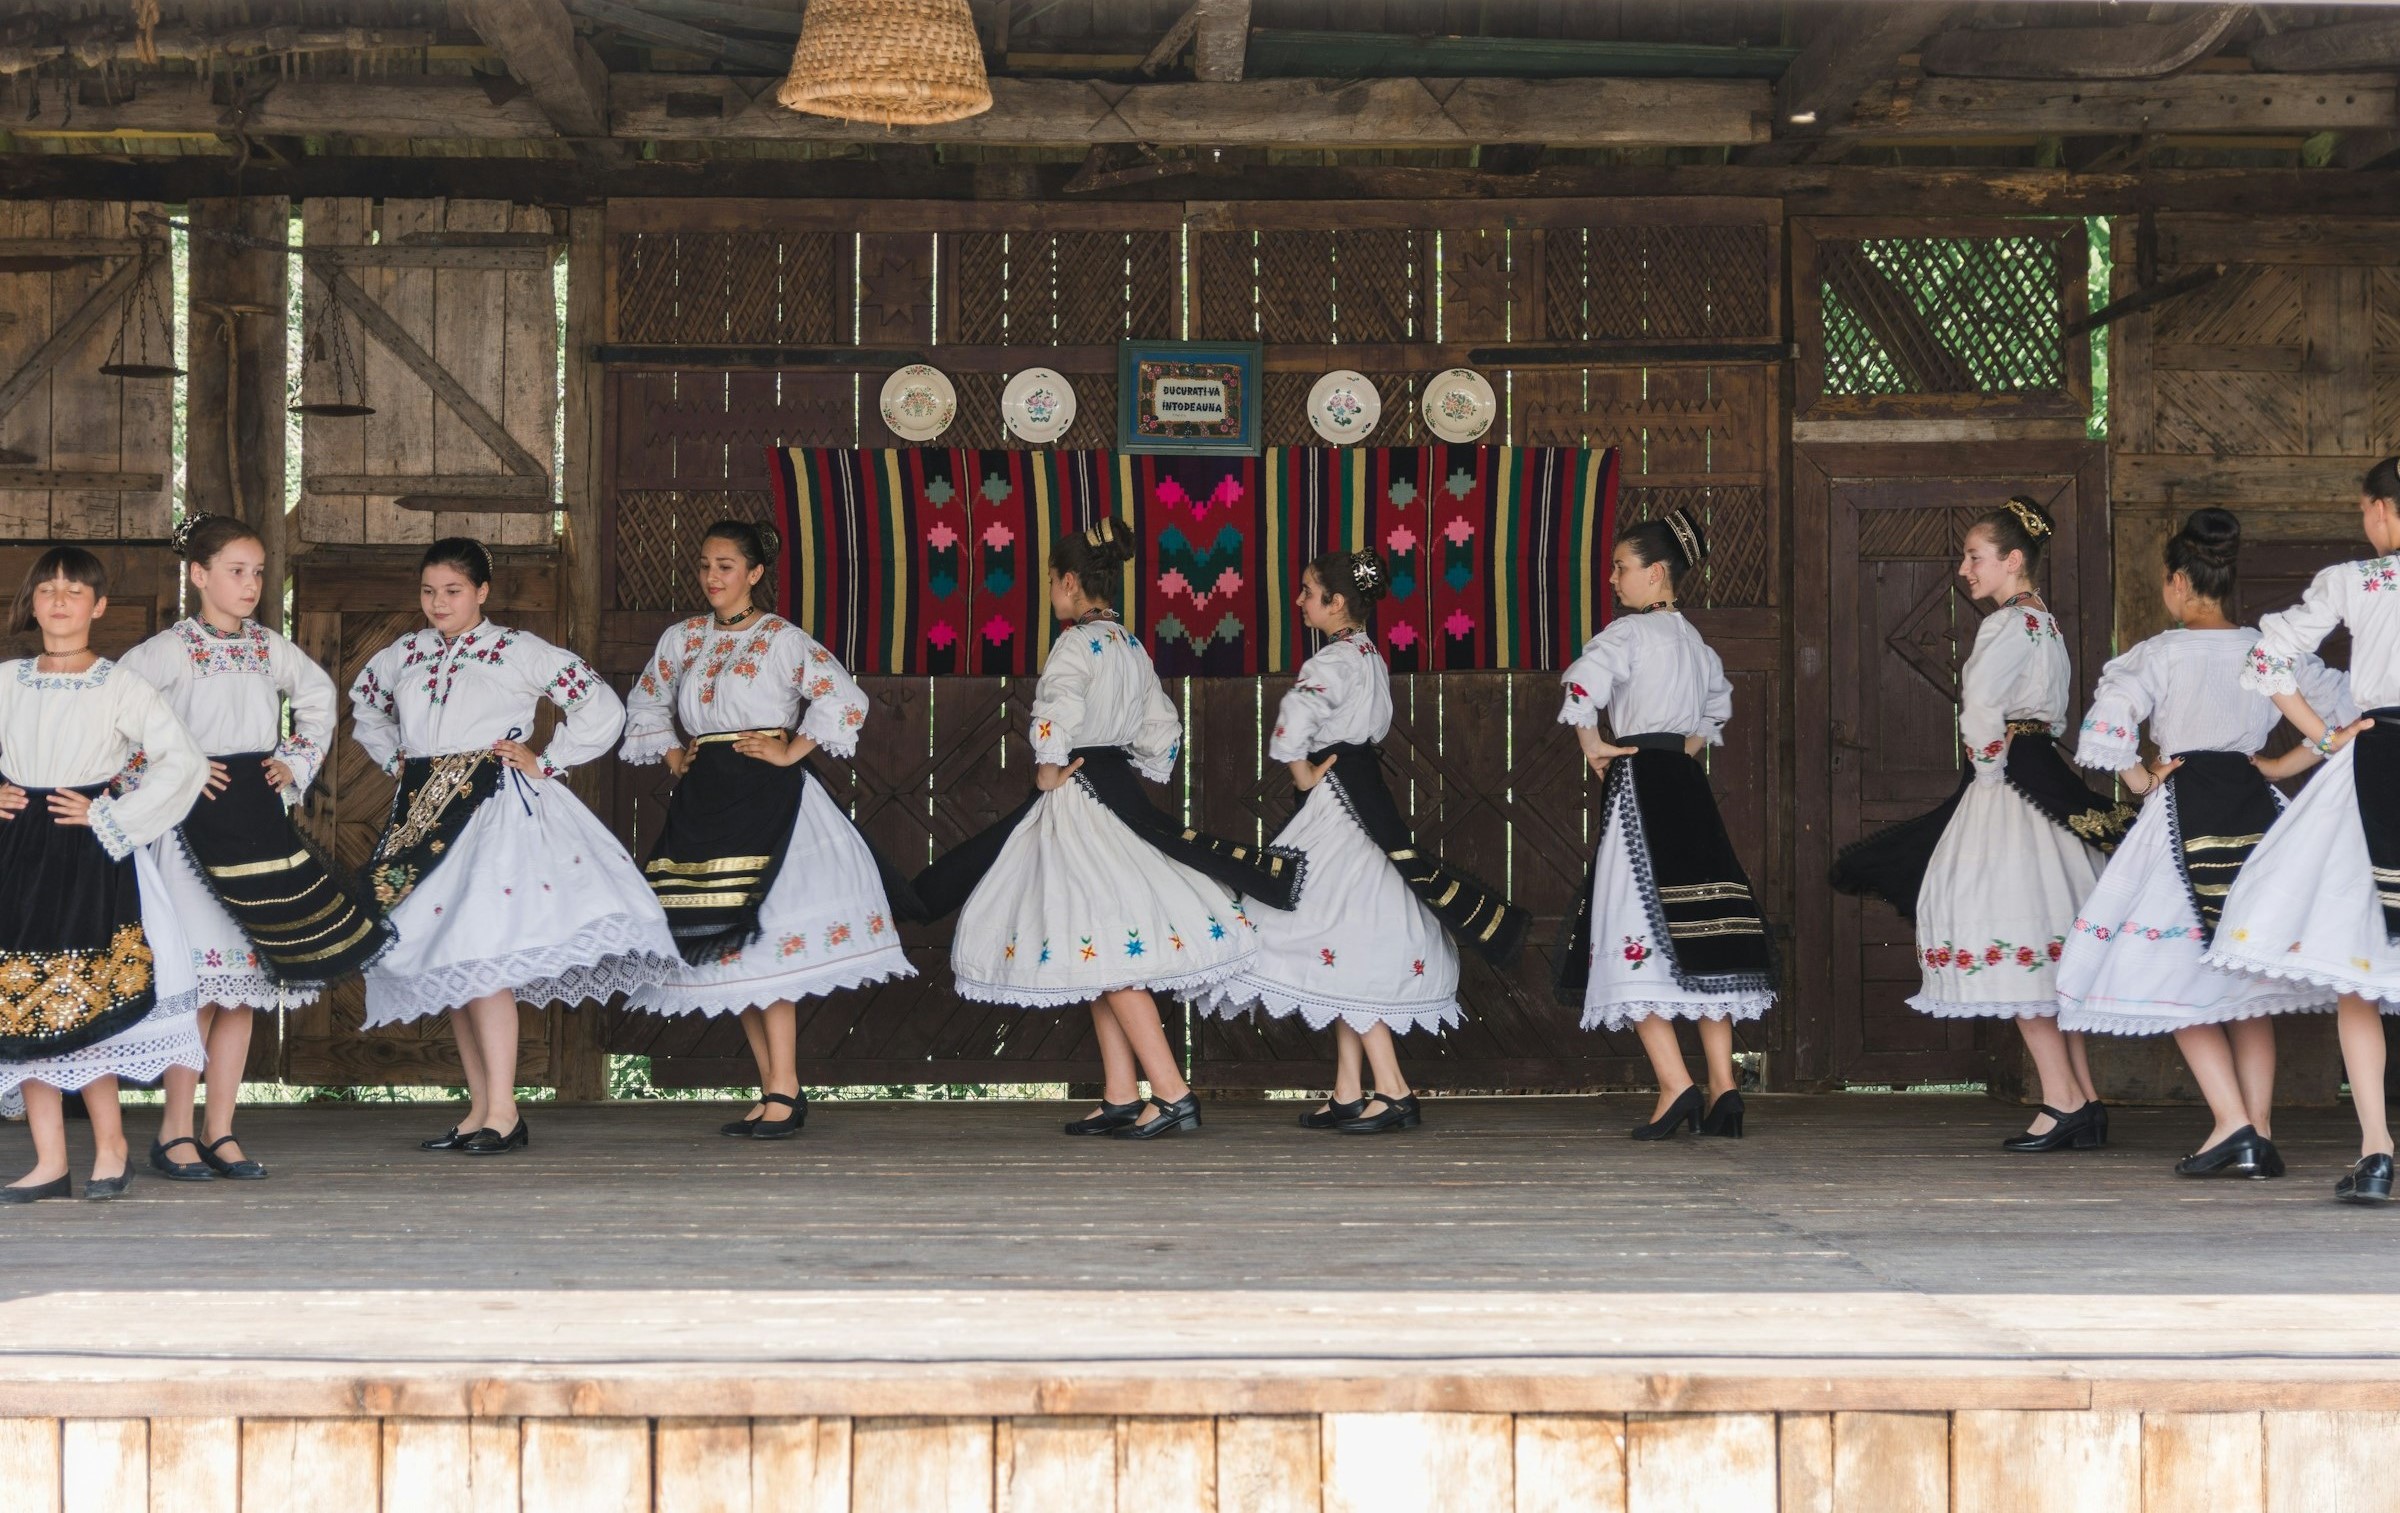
{"x":71,"y":730}
{"x":2018,"y":671}
{"x":229,"y":692}
{"x":753,"y":677}
{"x":1654,"y":676}
{"x":1343,"y":695}
{"x":2365,"y":596}
{"x":2189,"y":685}
{"x":425,"y":695}
{"x":1099,"y":689}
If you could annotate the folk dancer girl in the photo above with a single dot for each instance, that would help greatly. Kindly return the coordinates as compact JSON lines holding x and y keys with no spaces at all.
{"x":1365,"y":951}
{"x":773,"y":894}
{"x":2319,"y":900}
{"x":2133,"y":960}
{"x":1667,"y":927}
{"x":1996,"y":876}
{"x":95,"y":979}
{"x":502,"y":885}
{"x":1086,"y":893}
{"x":269,"y":921}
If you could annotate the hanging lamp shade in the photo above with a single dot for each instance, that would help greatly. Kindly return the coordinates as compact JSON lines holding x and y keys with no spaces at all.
{"x":892,"y":62}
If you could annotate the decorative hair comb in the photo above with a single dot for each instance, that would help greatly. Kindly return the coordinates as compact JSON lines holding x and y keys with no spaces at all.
{"x":2034,"y":524}
{"x":1103,"y":534}
{"x":1366,"y":570}
{"x":180,"y":538}
{"x":1686,"y":536}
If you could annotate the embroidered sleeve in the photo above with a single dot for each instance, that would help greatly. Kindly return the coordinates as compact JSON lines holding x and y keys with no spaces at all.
{"x":1591,"y":679}
{"x":837,"y":706}
{"x":2109,"y":740}
{"x":173,"y":771}
{"x":1984,"y":685}
{"x":314,"y":702}
{"x":1717,"y":709}
{"x":2283,"y":638}
{"x":1160,"y":739}
{"x":595,"y":716}
{"x":1303,"y":709}
{"x":374,"y":725}
{"x":1058,"y":701}
{"x":159,"y":661}
{"x":650,"y":707}
{"x":129,"y":776}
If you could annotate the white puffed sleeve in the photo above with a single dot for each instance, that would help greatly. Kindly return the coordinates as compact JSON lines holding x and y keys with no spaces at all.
{"x":1719,"y":706}
{"x":1159,"y":738}
{"x":314,"y":703}
{"x":1058,"y":700}
{"x":1592,"y":679}
{"x":2327,"y":690}
{"x":373,"y":724}
{"x":2109,"y":739}
{"x":2284,"y":637}
{"x":837,"y":706}
{"x":173,"y":772}
{"x":650,"y":708}
{"x":160,"y":662}
{"x":1984,"y":685}
{"x":594,"y":715}
{"x":1315,"y":694}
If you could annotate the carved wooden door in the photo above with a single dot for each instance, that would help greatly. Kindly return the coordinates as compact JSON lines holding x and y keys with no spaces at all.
{"x":1876,"y":721}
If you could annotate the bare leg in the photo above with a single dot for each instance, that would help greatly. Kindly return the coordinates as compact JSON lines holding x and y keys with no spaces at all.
{"x":2362,"y":1059}
{"x":182,"y":1084}
{"x":108,"y":1128}
{"x":1666,"y":1059}
{"x":2079,"y":1062}
{"x":470,"y":1059}
{"x":2052,"y":1062}
{"x":1146,"y":1034}
{"x":754,"y":1030}
{"x":783,"y":1054}
{"x":494,"y":1017}
{"x":1716,"y":1047}
{"x":1120,"y":1077}
{"x":228,"y":1037}
{"x":46,"y":1116}
{"x":1349,"y":1060}
{"x":1384,"y":1057}
{"x":2254,"y":1065}
{"x":2209,"y":1054}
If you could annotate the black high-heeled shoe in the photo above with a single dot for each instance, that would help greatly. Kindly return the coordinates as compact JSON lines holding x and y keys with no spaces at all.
{"x":2244,"y":1153}
{"x":1724,"y":1117}
{"x":2075,"y":1131}
{"x":490,"y":1142}
{"x":1333,"y":1115}
{"x":1182,"y":1114}
{"x":1397,"y":1113}
{"x":449,"y":1142}
{"x":60,"y":1188}
{"x":2099,"y":1113}
{"x":1111,"y":1118}
{"x":244,"y":1170}
{"x":180,"y":1171}
{"x":1684,"y":1110}
{"x":2370,"y":1181}
{"x":785,"y":1128}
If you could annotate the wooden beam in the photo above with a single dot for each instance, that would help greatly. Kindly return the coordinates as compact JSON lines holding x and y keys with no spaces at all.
{"x":634,"y":22}
{"x":419,"y":255}
{"x":234,"y":461}
{"x":2010,"y":110}
{"x":426,"y":107}
{"x":536,"y":38}
{"x":580,"y":1055}
{"x":2085,"y":52}
{"x":378,"y":323}
{"x":1856,"y":47}
{"x":70,"y":478}
{"x":2143,"y":299}
{"x":68,"y":333}
{"x":477,"y":486}
{"x":1171,"y":46}
{"x":2341,"y":48}
{"x":1221,"y":45}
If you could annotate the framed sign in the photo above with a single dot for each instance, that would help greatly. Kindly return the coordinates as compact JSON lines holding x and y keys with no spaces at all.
{"x":1189,"y":396}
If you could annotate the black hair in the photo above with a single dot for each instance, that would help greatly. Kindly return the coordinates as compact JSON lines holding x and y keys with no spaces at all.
{"x":465,"y":553}
{"x":69,"y":562}
{"x":757,"y":543}
{"x":1357,"y":578}
{"x":2204,"y":552}
{"x":200,"y":537}
{"x":2020,"y":525}
{"x":1094,"y":557}
{"x":1675,"y":539}
{"x":2382,"y":480}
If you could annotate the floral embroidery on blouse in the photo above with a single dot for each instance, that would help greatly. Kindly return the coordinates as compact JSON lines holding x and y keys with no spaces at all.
{"x":2380,"y":574}
{"x":2037,"y":629}
{"x":1990,"y":750}
{"x":572,"y":686}
{"x":2102,"y":727}
{"x":445,"y":656}
{"x":91,"y":677}
{"x":245,"y":651}
{"x":1993,"y":955}
{"x":1636,"y":952}
{"x":372,"y":691}
{"x":2131,"y":927}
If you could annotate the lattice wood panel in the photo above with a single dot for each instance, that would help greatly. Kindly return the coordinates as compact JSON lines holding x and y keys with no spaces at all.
{"x":1662,"y":283}
{"x":783,"y":287}
{"x":658,"y":535}
{"x":1061,"y":288}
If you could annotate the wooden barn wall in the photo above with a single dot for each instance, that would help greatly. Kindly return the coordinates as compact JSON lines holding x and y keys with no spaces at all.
{"x":1395,"y":290}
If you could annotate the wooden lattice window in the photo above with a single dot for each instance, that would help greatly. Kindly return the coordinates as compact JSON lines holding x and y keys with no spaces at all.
{"x":1903,"y":319}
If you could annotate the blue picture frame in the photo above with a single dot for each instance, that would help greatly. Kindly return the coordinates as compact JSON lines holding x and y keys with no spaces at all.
{"x":1219,"y":386}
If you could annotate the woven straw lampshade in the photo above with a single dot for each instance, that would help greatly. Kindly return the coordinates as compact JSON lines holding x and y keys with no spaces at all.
{"x":893,"y":62}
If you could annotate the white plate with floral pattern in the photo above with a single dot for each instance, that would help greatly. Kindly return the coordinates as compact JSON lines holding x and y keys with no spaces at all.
{"x":1459,"y":405}
{"x":1344,"y":407}
{"x":1038,"y":405}
{"x":919,"y":403}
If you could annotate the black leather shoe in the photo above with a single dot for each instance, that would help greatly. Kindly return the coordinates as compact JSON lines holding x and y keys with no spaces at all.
{"x":1724,"y":1117}
{"x":2099,"y":1113}
{"x":1684,"y":1110}
{"x":37,"y":1192}
{"x":2075,"y":1131}
{"x":1182,"y":1114}
{"x":2244,"y":1153}
{"x":180,"y":1171}
{"x":450,"y":1142}
{"x":2370,"y":1181}
{"x":244,"y":1170}
{"x":1111,"y":1118}
{"x":1333,"y":1115}
{"x":739,"y":1129}
{"x":1396,"y":1113}
{"x":101,"y":1189}
{"x":490,"y":1142}
{"x":785,"y":1128}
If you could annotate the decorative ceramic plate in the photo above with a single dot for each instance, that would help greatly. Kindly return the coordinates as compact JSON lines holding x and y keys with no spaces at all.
{"x":1459,"y":405}
{"x":1344,"y":407}
{"x":919,"y":403}
{"x":1038,"y":404}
